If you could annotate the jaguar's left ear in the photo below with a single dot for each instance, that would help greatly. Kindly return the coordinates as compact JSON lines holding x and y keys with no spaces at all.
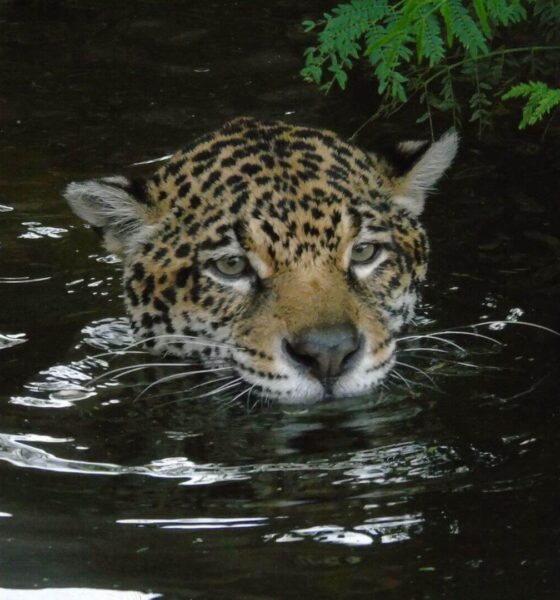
{"x":424,"y":165}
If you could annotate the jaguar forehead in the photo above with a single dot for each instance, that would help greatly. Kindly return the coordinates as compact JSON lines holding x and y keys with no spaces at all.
{"x":249,"y":156}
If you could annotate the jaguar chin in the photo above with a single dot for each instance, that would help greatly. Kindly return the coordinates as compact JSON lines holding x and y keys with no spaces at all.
{"x":282,"y":253}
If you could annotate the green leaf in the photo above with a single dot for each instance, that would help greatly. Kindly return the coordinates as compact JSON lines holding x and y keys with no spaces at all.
{"x":312,"y":73}
{"x":466,"y":29}
{"x":541,"y":99}
{"x":308,"y":25}
{"x":480,"y":8}
{"x":448,"y":18}
{"x":519,"y":90}
{"x":341,"y":78}
{"x":429,"y":41}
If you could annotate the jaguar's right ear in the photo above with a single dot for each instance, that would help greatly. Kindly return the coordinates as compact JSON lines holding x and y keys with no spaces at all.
{"x":414,"y":167}
{"x":116,"y":207}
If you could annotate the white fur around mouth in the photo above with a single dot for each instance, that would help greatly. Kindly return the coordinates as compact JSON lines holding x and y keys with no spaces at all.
{"x":298,"y":388}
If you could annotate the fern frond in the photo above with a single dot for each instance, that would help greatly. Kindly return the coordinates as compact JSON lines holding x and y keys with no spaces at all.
{"x":340,"y":37}
{"x":541,"y":99}
{"x":547,"y":10}
{"x":429,"y":42}
{"x":461,"y":25}
{"x":482,"y":14}
{"x":506,"y":11}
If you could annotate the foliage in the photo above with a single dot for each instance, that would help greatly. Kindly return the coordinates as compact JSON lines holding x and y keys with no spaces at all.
{"x":541,"y":99}
{"x":431,"y":48}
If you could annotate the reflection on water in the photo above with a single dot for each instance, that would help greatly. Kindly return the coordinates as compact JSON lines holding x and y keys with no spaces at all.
{"x":60,"y":386}
{"x":74,"y":594}
{"x":383,"y":466}
{"x":18,"y":280}
{"x":36,"y":231}
{"x":12,"y":339}
{"x":199,"y":523}
{"x":382,"y":530}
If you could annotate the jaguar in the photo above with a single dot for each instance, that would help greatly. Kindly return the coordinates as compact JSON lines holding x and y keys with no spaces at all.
{"x":281,"y":252}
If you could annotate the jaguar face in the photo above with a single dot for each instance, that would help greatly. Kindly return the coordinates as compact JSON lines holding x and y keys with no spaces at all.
{"x":280,"y":252}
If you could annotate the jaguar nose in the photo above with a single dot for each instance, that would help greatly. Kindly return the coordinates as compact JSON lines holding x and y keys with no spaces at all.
{"x":326,"y":352}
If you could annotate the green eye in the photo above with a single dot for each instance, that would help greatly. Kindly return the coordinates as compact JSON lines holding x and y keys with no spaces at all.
{"x":232,"y":266}
{"x":364,"y":253}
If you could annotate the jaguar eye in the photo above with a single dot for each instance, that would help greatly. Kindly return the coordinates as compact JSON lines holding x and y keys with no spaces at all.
{"x":364,"y":253}
{"x":232,"y":266}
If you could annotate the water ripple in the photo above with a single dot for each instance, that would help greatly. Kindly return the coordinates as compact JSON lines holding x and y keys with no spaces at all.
{"x":36,"y":231}
{"x":73,"y":593}
{"x":11,"y":339}
{"x":23,"y":279}
{"x":380,"y":530}
{"x":62,"y":385}
{"x":386,"y":465}
{"x":199,"y":523}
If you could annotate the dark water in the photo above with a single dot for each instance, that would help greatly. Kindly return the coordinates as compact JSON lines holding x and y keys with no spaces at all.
{"x":444,"y":486}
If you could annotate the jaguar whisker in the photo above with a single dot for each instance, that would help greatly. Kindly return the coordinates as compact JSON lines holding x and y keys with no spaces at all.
{"x":420,"y":349}
{"x":249,"y":398}
{"x":406,"y":381}
{"x":469,"y":333}
{"x":413,"y":368}
{"x":433,"y":337}
{"x":454,"y":362}
{"x":194,"y":340}
{"x":123,"y":371}
{"x":178,"y":376}
{"x":198,"y":385}
{"x":232,"y":401}
{"x":525,"y":323}
{"x":222,"y":388}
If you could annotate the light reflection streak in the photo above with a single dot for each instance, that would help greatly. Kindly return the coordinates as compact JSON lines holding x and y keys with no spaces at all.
{"x":385,"y":466}
{"x":32,"y":402}
{"x":74,"y":594}
{"x":11,"y":339}
{"x":198,"y":523}
{"x":36,"y":231}
{"x":380,"y":530}
{"x":17,"y":450}
{"x":23,"y":279}
{"x":151,"y":161}
{"x":63,"y":385}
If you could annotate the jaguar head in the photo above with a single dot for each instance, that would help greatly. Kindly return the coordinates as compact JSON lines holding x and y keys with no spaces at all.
{"x":281,"y":252}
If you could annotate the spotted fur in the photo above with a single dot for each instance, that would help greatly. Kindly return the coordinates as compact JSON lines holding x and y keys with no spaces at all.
{"x":293,"y":202}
